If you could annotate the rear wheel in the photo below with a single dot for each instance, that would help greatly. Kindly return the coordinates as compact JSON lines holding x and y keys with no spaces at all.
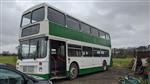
{"x":73,"y":72}
{"x":105,"y":68}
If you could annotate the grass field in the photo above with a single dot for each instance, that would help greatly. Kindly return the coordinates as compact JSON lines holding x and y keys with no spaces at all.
{"x":121,"y":62}
{"x":8,"y":59}
{"x":117,"y":62}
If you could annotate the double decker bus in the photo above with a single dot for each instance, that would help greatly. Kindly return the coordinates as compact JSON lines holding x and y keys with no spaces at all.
{"x":56,"y":45}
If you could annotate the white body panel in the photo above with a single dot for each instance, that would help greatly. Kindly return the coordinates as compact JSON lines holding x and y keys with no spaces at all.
{"x":84,"y":62}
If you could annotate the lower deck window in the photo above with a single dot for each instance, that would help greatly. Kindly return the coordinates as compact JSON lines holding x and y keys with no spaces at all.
{"x":104,"y":53}
{"x":87,"y":51}
{"x":96,"y":52}
{"x":78,"y":51}
{"x":74,"y":50}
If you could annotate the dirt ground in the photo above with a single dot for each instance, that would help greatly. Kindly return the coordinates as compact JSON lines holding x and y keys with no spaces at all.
{"x":109,"y":77}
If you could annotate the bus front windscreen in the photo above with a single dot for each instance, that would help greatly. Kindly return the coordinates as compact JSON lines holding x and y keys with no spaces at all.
{"x":34,"y":16}
{"x":33,"y":48}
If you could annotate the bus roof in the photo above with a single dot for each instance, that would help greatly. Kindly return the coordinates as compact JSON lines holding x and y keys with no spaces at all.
{"x":47,"y":5}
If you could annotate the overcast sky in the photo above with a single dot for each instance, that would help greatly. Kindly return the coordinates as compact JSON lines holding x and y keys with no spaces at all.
{"x":127,"y":21}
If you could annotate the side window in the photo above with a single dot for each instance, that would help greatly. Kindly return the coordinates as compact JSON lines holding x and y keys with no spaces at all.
{"x":38,"y":15}
{"x":10,"y":77}
{"x":85,"y":28}
{"x":104,"y":53}
{"x":72,"y":23}
{"x":94,"y":32}
{"x":102,"y":35}
{"x":86,"y":51}
{"x":56,"y":16}
{"x":74,"y":50}
{"x":96,"y":52}
{"x":107,"y":37}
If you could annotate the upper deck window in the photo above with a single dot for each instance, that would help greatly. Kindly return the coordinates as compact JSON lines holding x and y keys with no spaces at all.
{"x":107,"y":37}
{"x":56,"y":16}
{"x":85,"y":28}
{"x":102,"y":35}
{"x":34,"y":16}
{"x":38,"y":15}
{"x":72,"y":23}
{"x":26,"y":19}
{"x":94,"y":32}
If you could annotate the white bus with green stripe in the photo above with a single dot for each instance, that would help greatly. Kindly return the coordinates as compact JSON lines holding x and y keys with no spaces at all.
{"x":56,"y":45}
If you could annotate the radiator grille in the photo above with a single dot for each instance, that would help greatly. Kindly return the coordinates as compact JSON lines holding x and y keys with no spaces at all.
{"x":29,"y":69}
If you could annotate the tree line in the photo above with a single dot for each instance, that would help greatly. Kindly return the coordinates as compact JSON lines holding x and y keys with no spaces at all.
{"x":127,"y":52}
{"x":7,"y":53}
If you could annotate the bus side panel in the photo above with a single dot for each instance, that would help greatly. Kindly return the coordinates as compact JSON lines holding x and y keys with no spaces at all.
{"x":86,"y":64}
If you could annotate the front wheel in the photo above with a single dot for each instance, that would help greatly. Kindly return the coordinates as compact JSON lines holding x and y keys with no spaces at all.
{"x":73,"y":72}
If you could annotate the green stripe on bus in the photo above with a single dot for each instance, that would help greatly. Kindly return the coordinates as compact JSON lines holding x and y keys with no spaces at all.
{"x":45,"y":76}
{"x":60,"y":31}
{"x":90,"y":70}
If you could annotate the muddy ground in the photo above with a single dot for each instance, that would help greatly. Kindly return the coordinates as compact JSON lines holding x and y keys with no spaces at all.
{"x":109,"y":77}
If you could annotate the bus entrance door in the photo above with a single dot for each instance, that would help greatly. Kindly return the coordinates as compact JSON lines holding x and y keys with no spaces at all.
{"x":57,"y":58}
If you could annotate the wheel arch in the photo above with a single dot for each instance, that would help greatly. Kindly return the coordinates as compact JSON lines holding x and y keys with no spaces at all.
{"x":76,"y":64}
{"x":104,"y":62}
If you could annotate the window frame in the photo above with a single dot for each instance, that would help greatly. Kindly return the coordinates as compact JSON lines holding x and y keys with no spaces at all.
{"x":96,"y":49}
{"x":29,"y":27}
{"x":76,"y":48}
{"x":107,"y":36}
{"x":100,"y":33}
{"x":35,"y":57}
{"x":21,"y":43}
{"x":85,"y":49}
{"x":31,"y":16}
{"x":105,"y":54}
{"x":81,"y":28}
{"x":93,"y":31}
{"x":23,"y":16}
{"x":57,"y":12}
{"x":74,"y":20}
{"x":38,"y":9}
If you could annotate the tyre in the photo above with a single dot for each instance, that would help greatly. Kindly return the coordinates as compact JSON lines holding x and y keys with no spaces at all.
{"x":73,"y":71}
{"x":105,"y":68}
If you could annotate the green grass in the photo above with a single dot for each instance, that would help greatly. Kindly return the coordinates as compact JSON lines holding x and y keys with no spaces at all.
{"x":8,"y":59}
{"x":121,"y":62}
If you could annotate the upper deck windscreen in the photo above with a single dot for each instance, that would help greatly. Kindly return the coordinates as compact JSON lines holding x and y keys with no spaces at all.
{"x":33,"y":16}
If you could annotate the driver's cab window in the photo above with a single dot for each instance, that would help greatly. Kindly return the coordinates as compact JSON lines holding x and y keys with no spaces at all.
{"x":10,"y":77}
